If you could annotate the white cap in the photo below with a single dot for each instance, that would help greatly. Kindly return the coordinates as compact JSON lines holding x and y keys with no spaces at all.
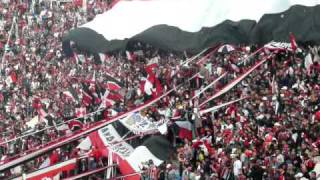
{"x":299,"y":175}
{"x":277,"y":124}
{"x":168,"y":166}
{"x":274,"y":98}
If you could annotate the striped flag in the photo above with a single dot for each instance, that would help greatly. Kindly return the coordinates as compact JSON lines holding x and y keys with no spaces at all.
{"x":50,"y":172}
{"x":11,"y":78}
{"x":106,"y":101}
{"x":183,"y":129}
{"x":87,"y":99}
{"x":151,"y":85}
{"x":131,"y":156}
{"x":130,"y":56}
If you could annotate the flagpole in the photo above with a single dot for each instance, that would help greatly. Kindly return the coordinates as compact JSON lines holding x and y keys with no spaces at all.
{"x":214,"y":108}
{"x":252,"y":54}
{"x":7,"y":43}
{"x":209,"y":54}
{"x":84,"y":6}
{"x":32,"y":133}
{"x":234,"y":82}
{"x":211,"y":84}
{"x":194,"y":57}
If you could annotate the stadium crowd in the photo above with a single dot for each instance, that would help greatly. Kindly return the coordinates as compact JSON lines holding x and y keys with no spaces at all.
{"x":273,"y":134}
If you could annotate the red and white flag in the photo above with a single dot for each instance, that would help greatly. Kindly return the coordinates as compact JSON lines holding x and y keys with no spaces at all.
{"x":130,"y":56}
{"x":103,"y":57}
{"x":51,"y":172}
{"x":42,"y":115}
{"x":151,"y":85}
{"x":129,"y":159}
{"x":215,"y":108}
{"x":106,"y":101}
{"x":86,"y":98}
{"x":293,"y":42}
{"x":112,"y":83}
{"x":80,"y":112}
{"x":234,"y":82}
{"x":12,"y":78}
{"x":68,"y":95}
{"x":184,"y":129}
{"x":113,"y":86}
{"x":51,"y":160}
{"x":75,"y":124}
{"x":308,"y":62}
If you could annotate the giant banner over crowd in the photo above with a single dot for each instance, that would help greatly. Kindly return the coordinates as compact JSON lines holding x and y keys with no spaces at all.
{"x":170,"y":31}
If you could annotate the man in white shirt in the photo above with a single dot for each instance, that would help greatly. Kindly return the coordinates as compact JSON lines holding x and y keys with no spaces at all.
{"x":237,"y":166}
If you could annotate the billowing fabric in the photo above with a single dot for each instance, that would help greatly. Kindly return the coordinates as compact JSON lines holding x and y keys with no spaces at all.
{"x":107,"y":33}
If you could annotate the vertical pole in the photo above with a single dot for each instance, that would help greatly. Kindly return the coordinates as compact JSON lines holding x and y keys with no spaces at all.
{"x":84,"y":5}
{"x":7,"y":44}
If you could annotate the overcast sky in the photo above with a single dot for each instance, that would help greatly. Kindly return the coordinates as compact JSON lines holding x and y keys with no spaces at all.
{"x":251,"y":9}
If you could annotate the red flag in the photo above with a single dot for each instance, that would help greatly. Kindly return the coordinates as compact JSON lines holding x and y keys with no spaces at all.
{"x":1,"y":97}
{"x":293,"y":42}
{"x":114,"y":97}
{"x":159,"y":89}
{"x":54,"y":158}
{"x":151,"y":86}
{"x":77,"y":3}
{"x":75,"y":124}
{"x":51,"y":160}
{"x":149,"y":68}
{"x":317,"y":115}
{"x":13,"y":76}
{"x":184,"y":129}
{"x":86,"y":99}
{"x":142,"y":85}
{"x":109,"y":102}
{"x":36,"y":103}
{"x":113,"y":86}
